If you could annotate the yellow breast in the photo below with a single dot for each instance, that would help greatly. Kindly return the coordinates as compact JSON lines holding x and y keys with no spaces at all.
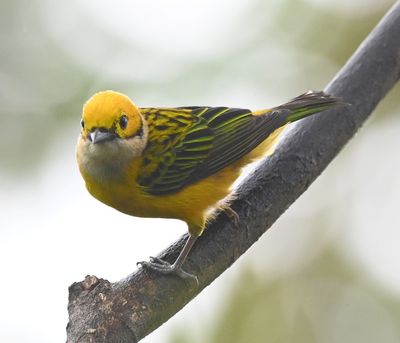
{"x":193,"y":204}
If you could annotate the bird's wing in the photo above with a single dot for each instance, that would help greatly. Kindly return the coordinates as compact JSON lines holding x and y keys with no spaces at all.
{"x":188,"y":144}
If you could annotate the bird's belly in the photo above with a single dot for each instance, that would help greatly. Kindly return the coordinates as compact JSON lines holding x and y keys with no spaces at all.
{"x":191,"y":204}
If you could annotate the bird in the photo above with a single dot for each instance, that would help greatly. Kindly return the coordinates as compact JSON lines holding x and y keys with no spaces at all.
{"x":178,"y":162}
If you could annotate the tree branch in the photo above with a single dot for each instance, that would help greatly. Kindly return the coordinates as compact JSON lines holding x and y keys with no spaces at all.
{"x":128,"y":310}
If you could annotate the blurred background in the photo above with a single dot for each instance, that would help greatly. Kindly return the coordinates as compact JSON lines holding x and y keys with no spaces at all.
{"x":329,"y":269}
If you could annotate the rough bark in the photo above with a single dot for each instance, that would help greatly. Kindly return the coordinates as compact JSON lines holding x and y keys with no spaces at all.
{"x":128,"y":310}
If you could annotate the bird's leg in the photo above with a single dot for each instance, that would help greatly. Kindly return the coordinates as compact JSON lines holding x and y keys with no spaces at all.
{"x":164,"y":267}
{"x":232,"y":214}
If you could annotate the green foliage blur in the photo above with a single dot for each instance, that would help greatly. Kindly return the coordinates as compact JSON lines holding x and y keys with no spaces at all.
{"x":279,"y":51}
{"x":326,"y":301}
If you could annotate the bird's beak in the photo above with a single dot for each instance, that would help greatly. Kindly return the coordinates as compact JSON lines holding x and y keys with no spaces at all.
{"x":101,"y":135}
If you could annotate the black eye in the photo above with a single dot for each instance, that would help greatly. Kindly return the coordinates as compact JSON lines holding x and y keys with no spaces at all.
{"x":82,"y":124}
{"x":123,"y":122}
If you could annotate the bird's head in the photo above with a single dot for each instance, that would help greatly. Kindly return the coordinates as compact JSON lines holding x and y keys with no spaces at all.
{"x":113,"y":133}
{"x":110,"y":115}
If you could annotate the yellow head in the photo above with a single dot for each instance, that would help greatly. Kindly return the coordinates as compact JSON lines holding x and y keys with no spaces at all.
{"x":113,"y":134}
{"x":110,"y":115}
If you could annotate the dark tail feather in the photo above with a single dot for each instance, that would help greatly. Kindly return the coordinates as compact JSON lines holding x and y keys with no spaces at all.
{"x":307,"y":104}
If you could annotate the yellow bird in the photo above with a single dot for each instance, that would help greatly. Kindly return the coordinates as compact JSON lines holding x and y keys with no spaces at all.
{"x":177,"y":162}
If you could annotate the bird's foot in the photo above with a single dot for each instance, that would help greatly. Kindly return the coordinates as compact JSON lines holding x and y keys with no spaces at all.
{"x":164,"y":267}
{"x":232,"y":214}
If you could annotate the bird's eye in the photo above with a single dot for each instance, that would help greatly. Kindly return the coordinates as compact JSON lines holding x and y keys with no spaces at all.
{"x":123,"y":122}
{"x":82,"y":124}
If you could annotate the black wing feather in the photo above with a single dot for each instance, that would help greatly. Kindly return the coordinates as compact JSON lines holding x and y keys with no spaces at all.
{"x":215,"y":138}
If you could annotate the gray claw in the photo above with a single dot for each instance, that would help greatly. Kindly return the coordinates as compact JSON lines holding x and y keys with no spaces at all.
{"x":232,"y":214}
{"x":166,"y":268}
{"x":157,"y":260}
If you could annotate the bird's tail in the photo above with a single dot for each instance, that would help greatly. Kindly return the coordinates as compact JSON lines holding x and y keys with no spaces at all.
{"x":307,"y":104}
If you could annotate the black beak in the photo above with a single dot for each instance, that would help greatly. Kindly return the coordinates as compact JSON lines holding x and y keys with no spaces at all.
{"x":101,"y":135}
